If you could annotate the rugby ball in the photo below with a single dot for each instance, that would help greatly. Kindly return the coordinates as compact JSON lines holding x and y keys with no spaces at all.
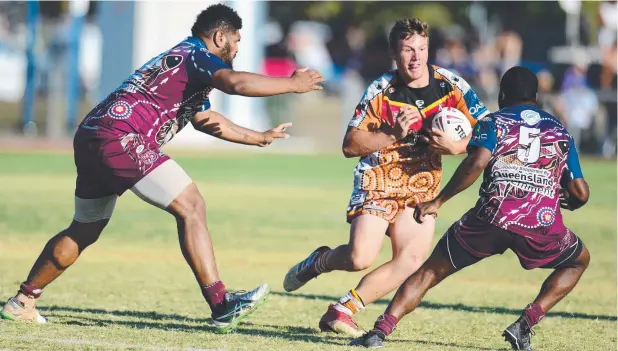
{"x":453,"y":122}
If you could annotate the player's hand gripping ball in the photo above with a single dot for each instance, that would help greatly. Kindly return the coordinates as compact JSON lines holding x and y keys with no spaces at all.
{"x":408,"y":120}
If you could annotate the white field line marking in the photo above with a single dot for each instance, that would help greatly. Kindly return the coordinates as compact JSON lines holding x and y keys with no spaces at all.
{"x":104,"y":344}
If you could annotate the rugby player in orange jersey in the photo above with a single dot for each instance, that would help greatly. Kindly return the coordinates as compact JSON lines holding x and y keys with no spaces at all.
{"x":396,"y":171}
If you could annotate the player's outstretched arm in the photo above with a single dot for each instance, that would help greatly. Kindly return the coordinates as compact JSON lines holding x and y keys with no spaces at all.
{"x":215,"y":124}
{"x":256,"y":85}
{"x":360,"y":143}
{"x":466,"y":174}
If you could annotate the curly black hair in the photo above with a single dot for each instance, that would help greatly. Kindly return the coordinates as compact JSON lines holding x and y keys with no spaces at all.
{"x":216,"y":18}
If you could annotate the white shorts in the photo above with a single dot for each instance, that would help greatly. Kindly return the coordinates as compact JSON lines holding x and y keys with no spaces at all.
{"x":159,"y":188}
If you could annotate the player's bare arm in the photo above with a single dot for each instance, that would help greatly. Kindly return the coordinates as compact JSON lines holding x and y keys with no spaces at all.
{"x":362,"y":143}
{"x":256,"y":85}
{"x":575,"y":195}
{"x":215,"y":124}
{"x":574,"y":191}
{"x":466,"y":174}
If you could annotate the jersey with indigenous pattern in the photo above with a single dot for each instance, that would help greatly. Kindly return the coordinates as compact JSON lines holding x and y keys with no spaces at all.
{"x":158,"y":99}
{"x":405,"y":172}
{"x":531,"y":150}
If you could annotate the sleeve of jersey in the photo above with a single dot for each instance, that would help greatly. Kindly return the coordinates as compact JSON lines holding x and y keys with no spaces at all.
{"x":470,"y":104}
{"x":484,"y":135}
{"x":573,"y":161}
{"x":468,"y":101}
{"x":474,"y":104}
{"x":367,"y":114}
{"x":202,"y":65}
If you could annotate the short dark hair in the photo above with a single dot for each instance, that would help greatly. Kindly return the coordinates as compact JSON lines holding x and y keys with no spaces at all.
{"x":216,"y":18}
{"x":519,"y":84}
{"x":405,"y":28}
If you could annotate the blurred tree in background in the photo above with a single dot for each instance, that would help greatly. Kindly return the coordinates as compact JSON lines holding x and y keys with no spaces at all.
{"x":370,"y":15}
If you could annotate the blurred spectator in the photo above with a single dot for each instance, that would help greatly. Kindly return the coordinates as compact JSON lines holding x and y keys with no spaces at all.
{"x":579,"y":103}
{"x":279,"y":66}
{"x":90,"y":55}
{"x":608,"y":19}
{"x":4,"y":28}
{"x":547,"y":100}
{"x":608,"y":149}
{"x":374,"y":59}
{"x":356,"y":39}
{"x":278,"y":61}
{"x":607,"y":39}
{"x":608,"y":63}
{"x":609,"y":24}
{"x":510,"y":46}
{"x":581,"y":107}
{"x":307,"y":41}
{"x":577,"y":75}
{"x":454,"y":55}
{"x":352,"y":83}
{"x":487,"y":86}
{"x":487,"y":79}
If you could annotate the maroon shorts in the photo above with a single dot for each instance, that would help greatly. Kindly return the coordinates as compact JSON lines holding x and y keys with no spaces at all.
{"x":110,"y":164}
{"x":472,"y":239}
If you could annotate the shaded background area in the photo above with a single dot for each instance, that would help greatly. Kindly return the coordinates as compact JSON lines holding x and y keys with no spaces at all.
{"x":59,"y":58}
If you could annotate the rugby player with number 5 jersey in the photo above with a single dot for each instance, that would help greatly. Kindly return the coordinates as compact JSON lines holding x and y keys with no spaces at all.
{"x":530,"y":171}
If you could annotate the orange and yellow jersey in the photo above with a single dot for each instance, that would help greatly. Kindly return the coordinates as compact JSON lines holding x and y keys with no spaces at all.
{"x":405,"y":172}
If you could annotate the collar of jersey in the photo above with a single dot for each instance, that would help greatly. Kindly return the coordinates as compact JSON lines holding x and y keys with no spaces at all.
{"x":196,"y":41}
{"x":522,"y":107}
{"x":399,"y":82}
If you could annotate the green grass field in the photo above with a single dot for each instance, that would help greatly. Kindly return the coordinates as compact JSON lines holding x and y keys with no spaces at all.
{"x":133,"y":290}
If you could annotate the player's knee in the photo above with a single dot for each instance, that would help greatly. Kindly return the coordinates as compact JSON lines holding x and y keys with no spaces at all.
{"x":64,"y":254}
{"x":85,"y":234}
{"x":190,"y":213}
{"x":359,"y":260}
{"x":360,"y":264}
{"x":409,"y":261}
{"x":68,"y":244}
{"x":188,"y":206}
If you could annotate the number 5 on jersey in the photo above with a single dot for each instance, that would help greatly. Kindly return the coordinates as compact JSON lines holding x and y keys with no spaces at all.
{"x":529,"y":144}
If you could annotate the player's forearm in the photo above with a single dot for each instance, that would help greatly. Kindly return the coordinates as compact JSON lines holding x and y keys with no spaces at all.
{"x":466,"y":174}
{"x":257,"y":85}
{"x":360,"y":143}
{"x":579,"y":193}
{"x":237,"y":134}
{"x":220,"y":127}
